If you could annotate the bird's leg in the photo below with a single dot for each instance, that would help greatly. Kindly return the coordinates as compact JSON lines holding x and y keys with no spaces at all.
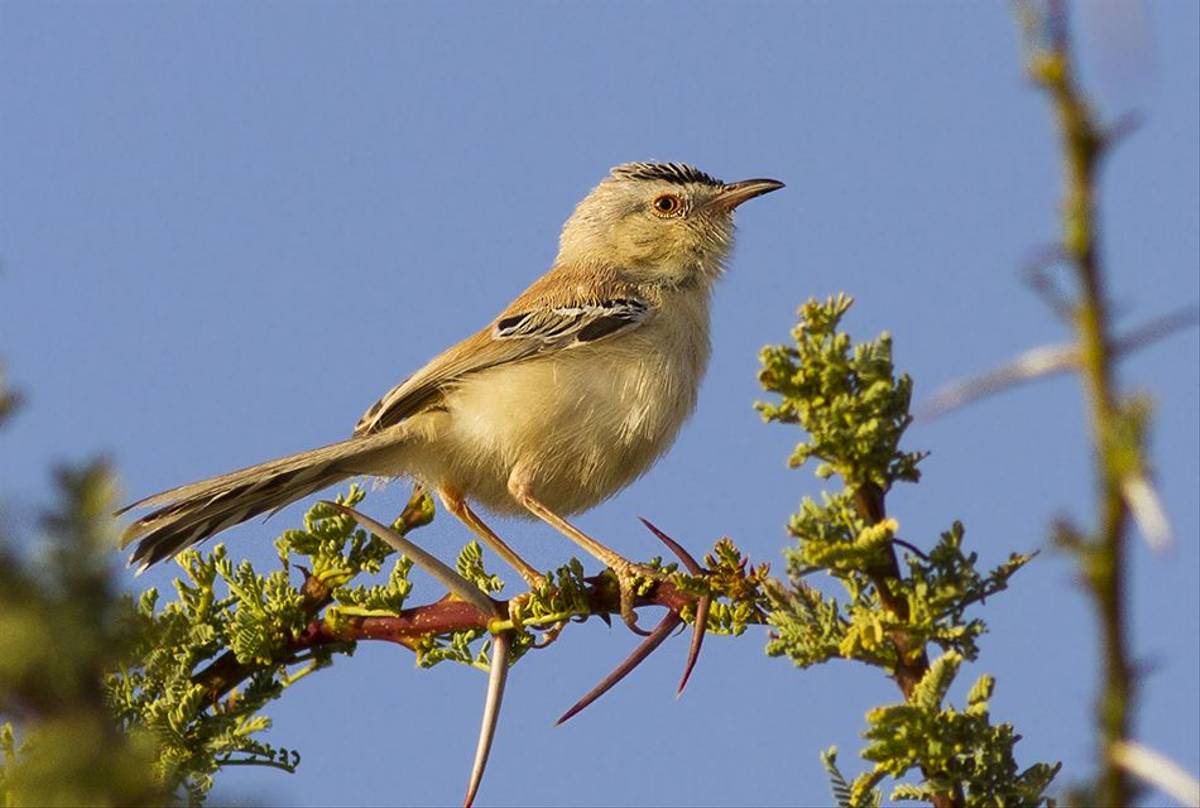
{"x":626,"y":571}
{"x":454,"y":502}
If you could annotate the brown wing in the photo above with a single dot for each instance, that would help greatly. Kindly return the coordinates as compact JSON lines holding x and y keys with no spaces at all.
{"x":562,"y":309}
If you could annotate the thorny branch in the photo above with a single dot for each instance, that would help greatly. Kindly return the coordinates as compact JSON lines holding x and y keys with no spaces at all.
{"x":1103,"y":556}
{"x":467,"y":608}
{"x":410,"y":626}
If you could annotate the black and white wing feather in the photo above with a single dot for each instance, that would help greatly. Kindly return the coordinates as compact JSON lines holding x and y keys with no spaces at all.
{"x":565,"y":326}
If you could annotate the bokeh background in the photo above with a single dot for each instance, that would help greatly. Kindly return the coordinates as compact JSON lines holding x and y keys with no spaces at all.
{"x":226,"y":229}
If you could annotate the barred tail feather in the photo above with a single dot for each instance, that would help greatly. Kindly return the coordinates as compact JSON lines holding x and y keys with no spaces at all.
{"x":191,"y":513}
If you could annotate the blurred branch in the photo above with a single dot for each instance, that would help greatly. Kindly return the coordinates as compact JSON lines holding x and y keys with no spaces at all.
{"x":1048,"y":360}
{"x":9,"y":401}
{"x":1157,"y":770}
{"x":1145,"y":506}
{"x":1116,"y":426}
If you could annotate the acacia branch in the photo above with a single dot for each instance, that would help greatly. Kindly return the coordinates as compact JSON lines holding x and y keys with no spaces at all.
{"x":912,"y":663}
{"x":409,"y":627}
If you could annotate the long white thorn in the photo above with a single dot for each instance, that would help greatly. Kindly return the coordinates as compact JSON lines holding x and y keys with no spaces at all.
{"x":448,"y":577}
{"x":497,"y":676}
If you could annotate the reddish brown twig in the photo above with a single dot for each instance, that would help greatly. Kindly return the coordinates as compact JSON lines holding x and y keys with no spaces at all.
{"x":408,"y":628}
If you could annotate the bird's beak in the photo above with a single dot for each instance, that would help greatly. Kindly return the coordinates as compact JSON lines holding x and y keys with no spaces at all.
{"x":736,"y":193}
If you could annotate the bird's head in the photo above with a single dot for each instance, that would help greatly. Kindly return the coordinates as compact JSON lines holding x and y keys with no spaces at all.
{"x":667,"y":223}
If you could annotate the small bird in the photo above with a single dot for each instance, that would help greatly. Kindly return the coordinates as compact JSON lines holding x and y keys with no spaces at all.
{"x":564,"y":399}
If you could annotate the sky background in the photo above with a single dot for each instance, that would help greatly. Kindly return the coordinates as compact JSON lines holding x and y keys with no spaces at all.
{"x":226,"y":229}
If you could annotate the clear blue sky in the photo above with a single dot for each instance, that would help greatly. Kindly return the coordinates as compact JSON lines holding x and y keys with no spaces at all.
{"x":227,"y":228}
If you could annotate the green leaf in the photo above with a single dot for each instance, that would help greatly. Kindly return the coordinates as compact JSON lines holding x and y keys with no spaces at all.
{"x":934,"y":685}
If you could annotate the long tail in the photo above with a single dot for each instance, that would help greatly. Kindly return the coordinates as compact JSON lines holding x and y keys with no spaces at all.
{"x":191,"y":513}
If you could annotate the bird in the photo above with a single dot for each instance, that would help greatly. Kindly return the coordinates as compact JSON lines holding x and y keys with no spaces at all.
{"x":565,"y":398}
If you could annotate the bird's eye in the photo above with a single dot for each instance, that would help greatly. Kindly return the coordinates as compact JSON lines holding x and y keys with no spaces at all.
{"x":667,"y":205}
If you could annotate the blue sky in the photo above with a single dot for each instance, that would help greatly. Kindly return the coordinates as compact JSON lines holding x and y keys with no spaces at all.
{"x":226,"y":229}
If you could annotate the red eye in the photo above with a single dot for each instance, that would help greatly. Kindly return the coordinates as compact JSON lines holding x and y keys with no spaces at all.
{"x":667,"y":205}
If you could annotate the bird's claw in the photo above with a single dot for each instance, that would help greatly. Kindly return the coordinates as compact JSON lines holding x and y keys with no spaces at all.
{"x":630,"y":578}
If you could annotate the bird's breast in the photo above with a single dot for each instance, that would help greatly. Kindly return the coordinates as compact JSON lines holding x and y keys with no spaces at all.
{"x":581,"y":423}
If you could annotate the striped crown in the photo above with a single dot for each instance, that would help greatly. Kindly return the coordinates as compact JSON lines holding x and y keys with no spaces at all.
{"x":678,"y":173}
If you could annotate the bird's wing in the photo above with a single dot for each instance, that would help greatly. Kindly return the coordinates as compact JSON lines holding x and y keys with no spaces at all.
{"x":562,"y":310}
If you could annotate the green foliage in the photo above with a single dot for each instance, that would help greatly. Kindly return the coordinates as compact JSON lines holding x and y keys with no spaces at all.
{"x":158,"y":690}
{"x":855,"y":409}
{"x":941,"y":586}
{"x":61,"y":627}
{"x":183,"y":683}
{"x":470,"y":566}
{"x":207,"y":663}
{"x":964,"y":748}
{"x":457,"y":646}
{"x":859,"y":794}
{"x":838,"y":538}
{"x":937,"y":591}
{"x":562,"y":596}
{"x":845,"y":396}
{"x":737,"y":587}
{"x":163,"y":693}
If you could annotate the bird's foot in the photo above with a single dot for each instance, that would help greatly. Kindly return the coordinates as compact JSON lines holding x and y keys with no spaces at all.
{"x":633,"y":581}
{"x":539,"y":586}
